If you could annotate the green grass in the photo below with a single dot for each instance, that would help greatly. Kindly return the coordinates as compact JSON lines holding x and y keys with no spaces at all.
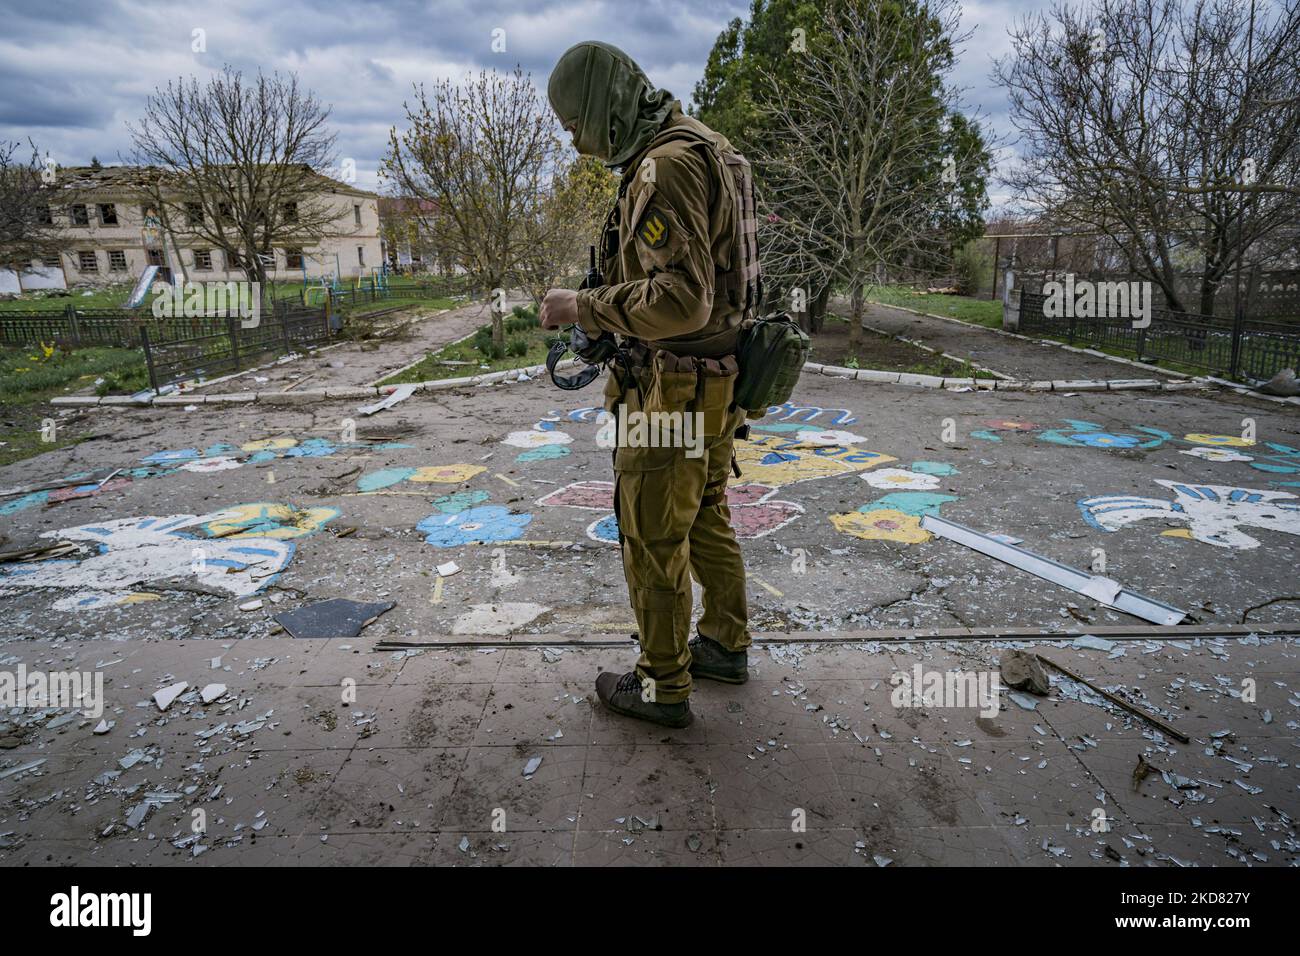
{"x":115,"y":296}
{"x":26,"y":376}
{"x":983,"y":312}
{"x":28,"y":381}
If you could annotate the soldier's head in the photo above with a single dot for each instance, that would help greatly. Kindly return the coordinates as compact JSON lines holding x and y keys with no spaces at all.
{"x":606,"y":102}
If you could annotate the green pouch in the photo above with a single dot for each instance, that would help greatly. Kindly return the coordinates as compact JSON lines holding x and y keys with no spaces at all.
{"x":772,"y":354}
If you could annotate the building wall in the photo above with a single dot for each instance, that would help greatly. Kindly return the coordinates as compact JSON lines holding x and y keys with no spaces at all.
{"x":132,"y":239}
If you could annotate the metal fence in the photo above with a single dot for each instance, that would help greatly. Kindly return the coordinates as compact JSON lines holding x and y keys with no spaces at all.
{"x":1235,"y":347}
{"x":76,"y":327}
{"x":120,"y":328}
{"x":221,"y":345}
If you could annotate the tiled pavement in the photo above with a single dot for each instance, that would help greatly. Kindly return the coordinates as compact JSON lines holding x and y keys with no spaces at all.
{"x":426,"y":765}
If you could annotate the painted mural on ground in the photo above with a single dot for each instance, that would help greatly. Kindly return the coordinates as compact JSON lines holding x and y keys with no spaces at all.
{"x":482,"y":524}
{"x":794,"y":444}
{"x":1267,"y":456}
{"x":218,"y":457}
{"x":754,"y":511}
{"x":452,"y":474}
{"x":237,"y":551}
{"x":893,"y":517}
{"x":1215,"y":514}
{"x":543,"y":442}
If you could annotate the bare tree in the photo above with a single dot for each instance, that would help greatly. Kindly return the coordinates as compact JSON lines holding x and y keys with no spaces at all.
{"x":565,"y":223}
{"x":1171,"y":127}
{"x":864,"y":169}
{"x":483,"y":151}
{"x":27,"y":229}
{"x":237,"y":164}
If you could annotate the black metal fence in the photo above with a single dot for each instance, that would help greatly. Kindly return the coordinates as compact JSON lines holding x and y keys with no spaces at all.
{"x":1235,"y":347}
{"x":77,"y":328}
{"x":120,"y":328}
{"x":212,"y":346}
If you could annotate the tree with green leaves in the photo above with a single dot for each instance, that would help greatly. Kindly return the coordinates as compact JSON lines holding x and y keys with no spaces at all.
{"x":866,"y":165}
{"x":485,"y":153}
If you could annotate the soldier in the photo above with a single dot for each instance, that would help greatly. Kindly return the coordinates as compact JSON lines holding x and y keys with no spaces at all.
{"x":678,"y":259}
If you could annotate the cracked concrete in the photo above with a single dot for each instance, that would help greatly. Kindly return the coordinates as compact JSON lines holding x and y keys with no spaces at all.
{"x":435,"y":741}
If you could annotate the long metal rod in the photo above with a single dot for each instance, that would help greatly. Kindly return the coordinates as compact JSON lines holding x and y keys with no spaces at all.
{"x":1103,"y":590}
{"x":1135,"y":632}
{"x":1118,"y":701}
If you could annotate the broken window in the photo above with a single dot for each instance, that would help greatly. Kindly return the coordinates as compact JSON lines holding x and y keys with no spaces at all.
{"x":203,"y":260}
{"x":194,"y":214}
{"x":79,"y":214}
{"x":223,"y":210}
{"x":155,"y":257}
{"x":108,"y":214}
{"x":87,"y":261}
{"x":290,"y":211}
{"x":45,"y":215}
{"x":356,"y":212}
{"x":51,"y":262}
{"x":293,"y":258}
{"x":361,"y":256}
{"x":116,"y":260}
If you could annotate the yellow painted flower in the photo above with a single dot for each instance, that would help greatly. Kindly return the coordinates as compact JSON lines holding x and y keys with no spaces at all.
{"x":1234,"y":441}
{"x":884,"y":524}
{"x":267,"y":520}
{"x":447,"y":474}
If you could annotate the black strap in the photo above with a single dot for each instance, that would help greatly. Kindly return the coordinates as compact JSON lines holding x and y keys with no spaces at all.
{"x":570,"y":383}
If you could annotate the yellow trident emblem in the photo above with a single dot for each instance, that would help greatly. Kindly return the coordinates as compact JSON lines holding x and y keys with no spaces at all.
{"x":654,"y":230}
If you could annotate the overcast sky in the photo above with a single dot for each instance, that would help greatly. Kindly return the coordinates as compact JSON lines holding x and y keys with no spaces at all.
{"x":74,"y":72}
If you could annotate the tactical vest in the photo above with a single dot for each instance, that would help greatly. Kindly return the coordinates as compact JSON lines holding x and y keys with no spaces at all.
{"x":732,"y":183}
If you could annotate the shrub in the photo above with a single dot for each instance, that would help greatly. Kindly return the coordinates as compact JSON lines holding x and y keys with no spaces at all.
{"x":517,"y":346}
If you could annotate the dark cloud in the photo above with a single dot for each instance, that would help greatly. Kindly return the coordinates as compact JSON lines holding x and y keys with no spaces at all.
{"x":74,"y":73}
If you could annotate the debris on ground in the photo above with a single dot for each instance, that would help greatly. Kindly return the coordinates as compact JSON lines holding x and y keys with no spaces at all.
{"x":337,"y":617}
{"x":1023,"y":671}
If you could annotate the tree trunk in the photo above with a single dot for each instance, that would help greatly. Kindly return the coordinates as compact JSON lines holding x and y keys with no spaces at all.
{"x":498,"y":319}
{"x":855,"y":318}
{"x":817,"y":314}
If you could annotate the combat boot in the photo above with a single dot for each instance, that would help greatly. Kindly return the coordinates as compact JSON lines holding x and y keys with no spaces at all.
{"x":711,"y":661}
{"x":622,"y":695}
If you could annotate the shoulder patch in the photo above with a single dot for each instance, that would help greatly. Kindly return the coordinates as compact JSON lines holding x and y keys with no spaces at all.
{"x":653,"y":228}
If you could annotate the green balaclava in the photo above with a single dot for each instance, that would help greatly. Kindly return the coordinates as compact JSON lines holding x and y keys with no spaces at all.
{"x":613,"y":107}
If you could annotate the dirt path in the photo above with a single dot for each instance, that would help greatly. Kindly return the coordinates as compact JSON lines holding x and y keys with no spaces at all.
{"x":1018,"y":358}
{"x":363,"y":363}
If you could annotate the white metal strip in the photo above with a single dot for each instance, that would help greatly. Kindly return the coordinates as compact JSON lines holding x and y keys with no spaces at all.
{"x":1101,"y":589}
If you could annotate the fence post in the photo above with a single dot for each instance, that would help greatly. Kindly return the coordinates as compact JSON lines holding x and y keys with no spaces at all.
{"x":74,"y":328}
{"x":284,"y":331}
{"x":1238,"y":324}
{"x":148,"y":358}
{"x":232,"y":328}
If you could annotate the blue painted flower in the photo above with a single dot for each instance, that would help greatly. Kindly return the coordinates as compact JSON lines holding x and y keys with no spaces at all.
{"x":311,"y":448}
{"x":1104,"y":440}
{"x":487,"y":524}
{"x":605,"y":529}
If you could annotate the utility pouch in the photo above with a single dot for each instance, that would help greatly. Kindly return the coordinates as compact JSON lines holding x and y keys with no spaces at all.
{"x":772,"y":354}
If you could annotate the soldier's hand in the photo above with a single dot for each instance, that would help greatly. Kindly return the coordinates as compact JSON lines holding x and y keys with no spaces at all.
{"x":559,"y":308}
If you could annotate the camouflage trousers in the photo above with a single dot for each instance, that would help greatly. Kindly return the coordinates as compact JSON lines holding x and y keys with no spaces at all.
{"x":671,"y":506}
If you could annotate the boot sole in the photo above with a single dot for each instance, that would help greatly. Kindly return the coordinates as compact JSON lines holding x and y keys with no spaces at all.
{"x":626,"y":712}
